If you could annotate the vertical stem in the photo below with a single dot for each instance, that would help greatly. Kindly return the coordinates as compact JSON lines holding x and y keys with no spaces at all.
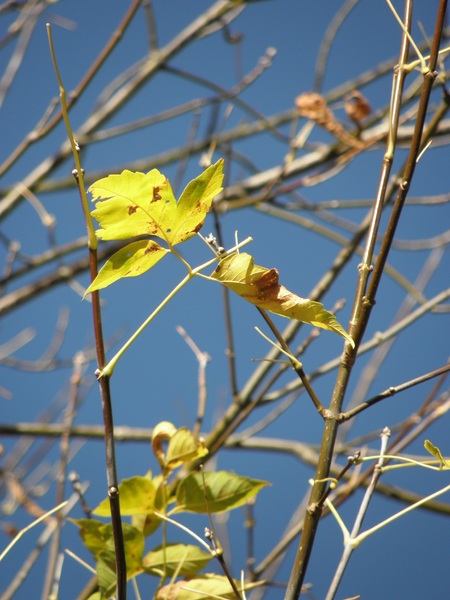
{"x":362,"y":309}
{"x":111,"y":469}
{"x":105,"y":392}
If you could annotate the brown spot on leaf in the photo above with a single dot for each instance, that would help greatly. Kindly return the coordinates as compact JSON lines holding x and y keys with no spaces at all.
{"x":132,"y":209}
{"x":198,"y":227}
{"x":156,"y":195}
{"x":267,"y":282}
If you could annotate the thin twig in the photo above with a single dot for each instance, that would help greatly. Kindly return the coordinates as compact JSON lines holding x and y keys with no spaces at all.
{"x":104,"y":381}
{"x":296,"y":365}
{"x":364,"y":301}
{"x":202,"y":358}
{"x":348,"y":546}
{"x":392,"y":390}
{"x":50,"y":574}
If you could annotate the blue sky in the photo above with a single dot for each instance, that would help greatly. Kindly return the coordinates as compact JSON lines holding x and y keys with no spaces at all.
{"x":156,"y":380}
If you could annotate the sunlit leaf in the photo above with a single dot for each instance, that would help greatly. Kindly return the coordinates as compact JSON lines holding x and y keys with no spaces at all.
{"x":195,"y":202}
{"x":137,"y":496}
{"x":434,"y":450}
{"x":223,"y":490}
{"x":261,"y":287}
{"x":134,"y":204}
{"x":162,"y":432}
{"x":203,"y":587}
{"x":132,"y":260}
{"x":123,"y":202}
{"x":183,"y":447}
{"x":184,"y":559}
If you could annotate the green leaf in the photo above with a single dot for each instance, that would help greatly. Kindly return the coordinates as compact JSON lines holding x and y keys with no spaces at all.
{"x":106,"y":579}
{"x":134,"y":204}
{"x":94,"y":534}
{"x":132,"y":260}
{"x":184,"y":559}
{"x":261,"y":287}
{"x":137,"y":496}
{"x":147,"y":523}
{"x":204,"y":587}
{"x":434,"y":450}
{"x":183,"y":447}
{"x":106,"y":560}
{"x":134,"y":549}
{"x":223,"y":490}
{"x":98,"y":537}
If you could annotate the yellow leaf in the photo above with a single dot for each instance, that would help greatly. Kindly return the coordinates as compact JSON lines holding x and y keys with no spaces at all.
{"x":132,"y":260}
{"x":434,"y":450}
{"x":261,"y":287}
{"x":134,"y":204}
{"x":184,"y":447}
{"x":124,"y":202}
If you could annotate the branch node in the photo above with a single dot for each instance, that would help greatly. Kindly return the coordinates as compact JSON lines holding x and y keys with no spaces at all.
{"x":113,"y":492}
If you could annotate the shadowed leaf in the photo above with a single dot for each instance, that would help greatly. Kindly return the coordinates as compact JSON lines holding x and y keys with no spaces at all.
{"x":184,"y":559}
{"x":134,"y":259}
{"x":99,"y":539}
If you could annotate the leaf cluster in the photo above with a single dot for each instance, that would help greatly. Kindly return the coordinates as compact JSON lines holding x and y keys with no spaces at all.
{"x":132,"y":205}
{"x":150,"y":501}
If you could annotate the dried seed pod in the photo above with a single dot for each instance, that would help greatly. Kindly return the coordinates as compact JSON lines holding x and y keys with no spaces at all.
{"x":312,"y":106}
{"x":357,"y":106}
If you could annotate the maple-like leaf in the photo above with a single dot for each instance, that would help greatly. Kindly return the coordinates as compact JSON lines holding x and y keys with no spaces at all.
{"x":261,"y":287}
{"x":135,"y":204}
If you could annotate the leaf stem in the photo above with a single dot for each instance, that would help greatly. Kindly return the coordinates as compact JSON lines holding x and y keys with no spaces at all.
{"x":296,"y":364}
{"x":167,"y":519}
{"x":362,"y":536}
{"x":352,"y":540}
{"x":108,"y":370}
